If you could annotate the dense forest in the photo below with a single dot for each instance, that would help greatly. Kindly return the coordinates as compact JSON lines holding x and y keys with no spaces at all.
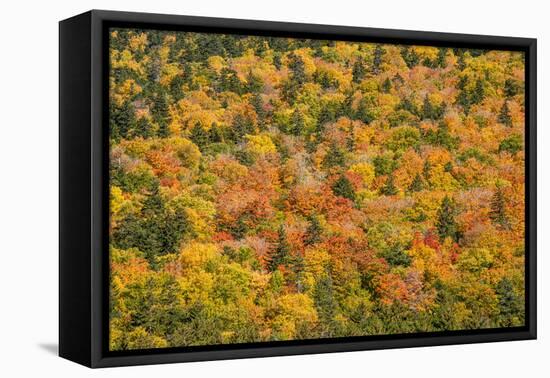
{"x":266,"y":189}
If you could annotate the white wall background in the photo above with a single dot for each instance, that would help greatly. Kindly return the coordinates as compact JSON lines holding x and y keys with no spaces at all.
{"x":29,"y":188}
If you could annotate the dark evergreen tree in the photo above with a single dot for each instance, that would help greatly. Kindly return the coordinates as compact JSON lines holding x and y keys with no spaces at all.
{"x":395,"y":255}
{"x":417,"y":184}
{"x":297,"y":69}
{"x":504,"y":115}
{"x":335,"y":157}
{"x":215,"y":134}
{"x":253,"y":83}
{"x":199,"y":136}
{"x":478,"y":94}
{"x":384,"y":165}
{"x":326,"y":305}
{"x":176,"y":88}
{"x":298,"y":123}
{"x":428,"y":110}
{"x":258,"y":105}
{"x":242,"y":125}
{"x":314,"y":231}
{"x":386,"y":85}
{"x":359,"y":71}
{"x":410,"y":56}
{"x":229,"y":81}
{"x":277,"y":61}
{"x":281,"y":254}
{"x":408,"y":105}
{"x":389,"y":188}
{"x":498,"y":209}
{"x":461,"y":60}
{"x":160,"y":113}
{"x":343,"y":188}
{"x":513,"y":144}
{"x":442,"y":137}
{"x":364,"y":112}
{"x":154,"y":231}
{"x":511,"y":304}
{"x":463,"y":99}
{"x":377,"y":59}
{"x":144,"y":128}
{"x":511,"y":88}
{"x":442,"y":57}
{"x":426,"y":170}
{"x":446,"y":224}
{"x":121,"y":120}
{"x":350,"y":139}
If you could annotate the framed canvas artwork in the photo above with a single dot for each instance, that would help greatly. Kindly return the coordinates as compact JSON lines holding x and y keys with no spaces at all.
{"x":233,"y":188}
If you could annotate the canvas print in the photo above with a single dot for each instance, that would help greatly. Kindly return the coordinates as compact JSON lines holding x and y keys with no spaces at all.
{"x":267,"y":189}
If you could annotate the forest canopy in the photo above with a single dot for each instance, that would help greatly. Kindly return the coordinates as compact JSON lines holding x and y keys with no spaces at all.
{"x":266,"y":189}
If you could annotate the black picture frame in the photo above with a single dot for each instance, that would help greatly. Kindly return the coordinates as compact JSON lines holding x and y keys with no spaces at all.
{"x":83,"y":181}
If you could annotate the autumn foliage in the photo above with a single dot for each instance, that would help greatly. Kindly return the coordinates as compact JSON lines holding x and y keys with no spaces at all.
{"x":268,"y":189}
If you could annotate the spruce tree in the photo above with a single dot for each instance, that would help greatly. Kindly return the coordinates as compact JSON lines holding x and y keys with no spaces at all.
{"x":377,"y":59}
{"x":504,"y":115}
{"x":498,"y":209}
{"x":463,"y":99}
{"x":416,"y":185}
{"x":364,"y":112}
{"x":199,"y":136}
{"x":297,"y":69}
{"x":510,"y":88}
{"x":343,"y":188}
{"x":314,"y":231}
{"x":389,"y":188}
{"x":426,"y":169}
{"x":478,"y":94}
{"x":442,"y":57}
{"x":258,"y":105}
{"x":298,"y":123}
{"x":386,"y":85}
{"x":281,"y":254}
{"x":160,"y":108}
{"x":334,"y":158}
{"x":144,"y":128}
{"x":428,"y":110}
{"x":359,"y":71}
{"x":229,"y":81}
{"x":122,"y":120}
{"x":410,"y":56}
{"x":253,"y":83}
{"x":461,"y":63}
{"x":326,"y":305}
{"x":242,"y":125}
{"x":215,"y":134}
{"x":446,"y":224}
{"x":511,"y":304}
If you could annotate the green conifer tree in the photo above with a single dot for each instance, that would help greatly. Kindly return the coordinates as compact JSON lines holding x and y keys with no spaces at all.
{"x":446,"y":224}
{"x":335,"y":157}
{"x":498,"y":209}
{"x":281,"y":254}
{"x":377,"y":59}
{"x":343,"y":188}
{"x":298,"y":123}
{"x":417,"y":184}
{"x":386,"y":85}
{"x":314,"y":231}
{"x":359,"y":71}
{"x":504,"y":115}
{"x":478,"y":94}
{"x":199,"y":136}
{"x":389,"y":188}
